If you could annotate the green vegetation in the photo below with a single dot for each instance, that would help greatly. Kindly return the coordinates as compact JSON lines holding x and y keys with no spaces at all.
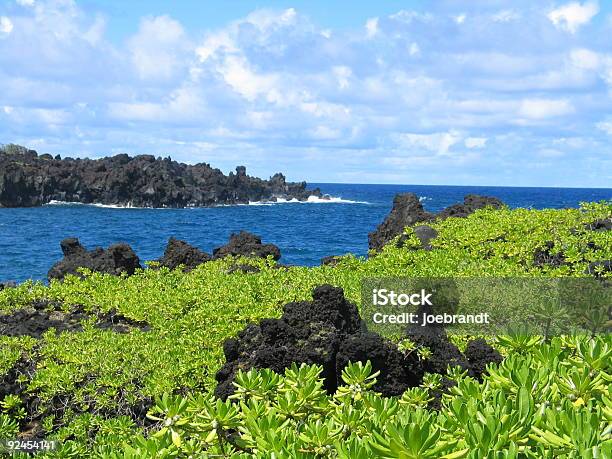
{"x":90,"y":386}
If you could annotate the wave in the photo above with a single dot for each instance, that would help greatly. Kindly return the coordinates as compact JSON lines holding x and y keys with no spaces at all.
{"x":311,"y":200}
{"x":93,"y":204}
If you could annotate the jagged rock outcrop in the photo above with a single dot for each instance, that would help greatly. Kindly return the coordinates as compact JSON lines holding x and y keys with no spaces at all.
{"x":407,"y":211}
{"x":603,"y":224}
{"x":248,"y":245}
{"x":181,"y":253}
{"x":117,"y":259}
{"x":471,"y":203}
{"x":27,"y":180}
{"x":7,"y":284}
{"x":328,"y":331}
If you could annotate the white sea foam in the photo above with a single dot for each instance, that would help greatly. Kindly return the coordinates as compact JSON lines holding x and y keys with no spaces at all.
{"x":105,"y":206}
{"x":311,"y":200}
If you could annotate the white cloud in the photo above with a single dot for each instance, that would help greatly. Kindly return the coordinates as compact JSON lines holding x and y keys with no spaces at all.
{"x":585,"y":59}
{"x":238,"y":73}
{"x":605,"y":126}
{"x":371,"y":27}
{"x":506,"y":16}
{"x":572,"y":16}
{"x":6,"y":26}
{"x":274,"y":81}
{"x":539,"y":109}
{"x":343,"y":75}
{"x":157,"y":49}
{"x":414,"y":49}
{"x":439,"y":142}
{"x":25,"y":2}
{"x":475,"y":142}
{"x":460,"y":19}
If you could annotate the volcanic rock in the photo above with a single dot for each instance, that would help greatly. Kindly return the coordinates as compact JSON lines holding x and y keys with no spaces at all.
{"x":471,"y":203}
{"x":328,"y":331}
{"x":181,"y":253}
{"x":28,"y":180}
{"x":331,"y":260}
{"x":603,"y":224}
{"x":248,"y":245}
{"x":546,"y":255}
{"x":117,"y":259}
{"x":7,"y":284}
{"x":479,"y":354}
{"x":597,"y":268}
{"x":407,"y":211}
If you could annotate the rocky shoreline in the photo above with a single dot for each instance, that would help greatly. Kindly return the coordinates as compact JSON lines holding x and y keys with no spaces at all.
{"x":28,"y":179}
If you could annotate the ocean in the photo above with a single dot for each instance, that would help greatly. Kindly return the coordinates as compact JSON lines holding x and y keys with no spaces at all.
{"x":305,"y":232}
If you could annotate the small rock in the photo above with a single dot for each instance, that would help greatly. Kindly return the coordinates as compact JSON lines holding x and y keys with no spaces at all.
{"x":117,"y":259}
{"x":248,"y":245}
{"x":181,"y":253}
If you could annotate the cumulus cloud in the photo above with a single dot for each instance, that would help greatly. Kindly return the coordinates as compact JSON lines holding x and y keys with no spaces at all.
{"x":572,"y":16}
{"x":438,"y":142}
{"x":605,"y":126}
{"x":6,"y":26}
{"x":158,"y":48}
{"x":371,"y":27}
{"x":475,"y":142}
{"x":539,"y":109}
{"x":435,"y":91}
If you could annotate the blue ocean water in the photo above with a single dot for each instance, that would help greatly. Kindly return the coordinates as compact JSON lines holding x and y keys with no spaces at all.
{"x":305,"y":232}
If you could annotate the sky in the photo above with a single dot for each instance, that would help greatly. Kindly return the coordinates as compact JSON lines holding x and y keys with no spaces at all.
{"x":446,"y":92}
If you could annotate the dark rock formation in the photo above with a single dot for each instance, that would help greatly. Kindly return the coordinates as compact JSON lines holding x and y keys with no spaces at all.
{"x":248,"y":245}
{"x":603,"y":224}
{"x":7,"y":284}
{"x":546,"y":255}
{"x":331,"y":260}
{"x":245,"y":269}
{"x":41,"y":316}
{"x":407,"y":211}
{"x":598,"y":268}
{"x":471,"y":203}
{"x":398,"y":371}
{"x":181,"y":253}
{"x":117,"y":259}
{"x":329,"y":332}
{"x":28,"y":180}
{"x":479,"y":354}
{"x":425,"y":233}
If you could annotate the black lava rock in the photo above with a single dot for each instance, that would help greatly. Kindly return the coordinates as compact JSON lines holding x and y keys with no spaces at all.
{"x":480,"y":354}
{"x":248,"y":245}
{"x":408,"y":211}
{"x":329,"y":332}
{"x":603,"y":224}
{"x":597,"y":268}
{"x":28,"y":180}
{"x":181,"y":253}
{"x":117,"y":259}
{"x":546,"y":255}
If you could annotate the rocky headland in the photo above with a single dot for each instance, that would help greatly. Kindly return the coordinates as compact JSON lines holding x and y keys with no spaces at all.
{"x":28,"y":179}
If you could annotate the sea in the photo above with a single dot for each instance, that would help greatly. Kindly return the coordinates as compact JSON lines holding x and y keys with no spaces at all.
{"x":305,"y":232}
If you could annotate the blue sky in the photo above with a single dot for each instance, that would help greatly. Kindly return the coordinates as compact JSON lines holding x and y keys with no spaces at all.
{"x":447,"y":92}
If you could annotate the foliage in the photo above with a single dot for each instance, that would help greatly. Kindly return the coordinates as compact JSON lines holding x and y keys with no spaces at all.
{"x":92,"y":387}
